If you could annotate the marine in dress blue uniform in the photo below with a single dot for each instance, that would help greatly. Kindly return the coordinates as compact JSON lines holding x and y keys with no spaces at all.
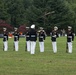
{"x":5,"y":39}
{"x":70,"y":38}
{"x":54,"y":35}
{"x":33,"y":38}
{"x":41,"y":39}
{"x":16,"y":40}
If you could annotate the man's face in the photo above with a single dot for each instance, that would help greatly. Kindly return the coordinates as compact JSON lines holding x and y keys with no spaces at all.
{"x":55,"y":29}
{"x":15,"y":30}
{"x":4,"y":30}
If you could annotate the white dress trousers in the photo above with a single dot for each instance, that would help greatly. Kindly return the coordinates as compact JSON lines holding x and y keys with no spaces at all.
{"x":54,"y":45}
{"x":5,"y":45}
{"x":70,"y":47}
{"x":41,"y":44}
{"x":33,"y":45}
{"x":16,"y":45}
{"x":28,"y":44}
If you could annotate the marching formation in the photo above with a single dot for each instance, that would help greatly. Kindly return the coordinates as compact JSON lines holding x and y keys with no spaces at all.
{"x":31,"y":38}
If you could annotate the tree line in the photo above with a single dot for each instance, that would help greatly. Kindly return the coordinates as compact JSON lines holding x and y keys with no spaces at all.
{"x":42,"y":13}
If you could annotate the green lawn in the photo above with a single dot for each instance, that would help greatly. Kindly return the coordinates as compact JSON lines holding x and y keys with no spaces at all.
{"x":47,"y":63}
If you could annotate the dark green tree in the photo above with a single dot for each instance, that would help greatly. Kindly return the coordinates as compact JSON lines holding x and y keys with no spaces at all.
{"x":16,"y":11}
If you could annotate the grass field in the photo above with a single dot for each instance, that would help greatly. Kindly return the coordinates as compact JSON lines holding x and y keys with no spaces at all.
{"x":47,"y":63}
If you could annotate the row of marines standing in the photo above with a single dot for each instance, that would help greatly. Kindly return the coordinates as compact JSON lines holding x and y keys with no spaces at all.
{"x":31,"y":38}
{"x":70,"y":38}
{"x":54,"y":36}
{"x":5,"y":39}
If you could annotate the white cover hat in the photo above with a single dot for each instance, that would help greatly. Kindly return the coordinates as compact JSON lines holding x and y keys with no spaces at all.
{"x":15,"y":29}
{"x":41,"y":28}
{"x":55,"y":27}
{"x":27,"y":27}
{"x":4,"y":29}
{"x":69,"y":27}
{"x":33,"y":26}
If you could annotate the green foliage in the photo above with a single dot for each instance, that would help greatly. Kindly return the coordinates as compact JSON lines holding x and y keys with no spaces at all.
{"x":45,"y":13}
{"x":3,"y":11}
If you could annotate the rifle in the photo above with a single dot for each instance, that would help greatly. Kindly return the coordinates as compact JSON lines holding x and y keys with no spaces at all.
{"x":66,"y":47}
{"x":3,"y":46}
{"x":25,"y":46}
{"x":13,"y":46}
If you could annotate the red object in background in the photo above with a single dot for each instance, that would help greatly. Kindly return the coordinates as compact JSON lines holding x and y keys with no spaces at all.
{"x":6,"y":25}
{"x":20,"y":33}
{"x":22,"y":29}
{"x":10,"y":35}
